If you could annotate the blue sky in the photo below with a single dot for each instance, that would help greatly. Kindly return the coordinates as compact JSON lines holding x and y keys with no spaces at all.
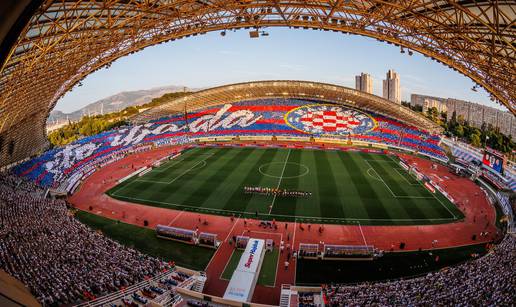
{"x":210,"y":60}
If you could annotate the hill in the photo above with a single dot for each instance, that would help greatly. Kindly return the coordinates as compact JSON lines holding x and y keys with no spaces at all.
{"x":115,"y":103}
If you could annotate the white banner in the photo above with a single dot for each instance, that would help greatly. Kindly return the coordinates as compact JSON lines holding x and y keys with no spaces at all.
{"x":242,"y":283}
{"x":251,"y":256}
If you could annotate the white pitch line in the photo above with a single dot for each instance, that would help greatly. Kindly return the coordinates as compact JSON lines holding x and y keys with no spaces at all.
{"x":279,"y":181}
{"x":183,"y":173}
{"x":375,"y":178}
{"x":393,"y":160}
{"x":173,"y":163}
{"x":418,"y":197}
{"x":454,"y":217}
{"x":169,"y":182}
{"x":211,"y":210}
{"x":393,"y":195}
{"x":403,"y":176}
{"x":180,"y":175}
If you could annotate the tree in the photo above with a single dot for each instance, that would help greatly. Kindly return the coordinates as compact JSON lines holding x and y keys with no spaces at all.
{"x":444,"y":116}
{"x":474,"y":140}
{"x":459,"y":130}
{"x":460,"y":120}
{"x":453,"y":120}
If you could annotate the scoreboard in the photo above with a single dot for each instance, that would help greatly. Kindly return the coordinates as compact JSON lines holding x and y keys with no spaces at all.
{"x":494,"y":160}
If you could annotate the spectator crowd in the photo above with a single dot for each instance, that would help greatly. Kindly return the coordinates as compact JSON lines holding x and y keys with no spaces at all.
{"x":59,"y":259}
{"x":63,"y":261}
{"x":488,"y":281}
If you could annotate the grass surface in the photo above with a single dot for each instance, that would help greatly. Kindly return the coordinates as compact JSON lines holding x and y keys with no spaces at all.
{"x":267,"y":274}
{"x":145,"y":240}
{"x":390,"y":266}
{"x":347,"y":187}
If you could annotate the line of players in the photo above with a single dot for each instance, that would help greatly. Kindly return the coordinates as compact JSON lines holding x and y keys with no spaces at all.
{"x":277,"y":192}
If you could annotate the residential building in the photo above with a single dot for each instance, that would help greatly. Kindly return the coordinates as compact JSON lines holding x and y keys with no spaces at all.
{"x":475,"y":114}
{"x":391,"y":87}
{"x":427,"y":102}
{"x":364,"y":83}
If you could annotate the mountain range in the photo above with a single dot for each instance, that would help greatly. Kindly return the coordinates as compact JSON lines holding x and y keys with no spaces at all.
{"x":115,"y":103}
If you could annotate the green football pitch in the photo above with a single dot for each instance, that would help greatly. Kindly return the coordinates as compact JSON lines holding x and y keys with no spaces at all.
{"x":346,"y":187}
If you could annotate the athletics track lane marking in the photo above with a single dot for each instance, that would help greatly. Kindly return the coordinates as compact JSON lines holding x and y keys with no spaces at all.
{"x":219,"y":248}
{"x":362,"y":233}
{"x":175,"y":218}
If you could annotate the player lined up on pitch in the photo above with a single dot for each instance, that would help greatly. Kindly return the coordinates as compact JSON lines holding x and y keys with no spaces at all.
{"x":277,"y":192}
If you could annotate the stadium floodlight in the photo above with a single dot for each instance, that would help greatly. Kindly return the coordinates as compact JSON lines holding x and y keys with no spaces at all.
{"x":254,"y":34}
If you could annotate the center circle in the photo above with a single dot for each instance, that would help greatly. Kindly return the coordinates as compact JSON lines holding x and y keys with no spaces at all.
{"x":279,"y":167}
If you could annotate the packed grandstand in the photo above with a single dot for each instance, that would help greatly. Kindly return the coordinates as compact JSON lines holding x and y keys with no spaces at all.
{"x":281,"y":192}
{"x":274,"y":117}
{"x":65,"y":262}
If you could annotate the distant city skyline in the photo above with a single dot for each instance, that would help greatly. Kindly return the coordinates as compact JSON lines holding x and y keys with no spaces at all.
{"x":211,"y":60}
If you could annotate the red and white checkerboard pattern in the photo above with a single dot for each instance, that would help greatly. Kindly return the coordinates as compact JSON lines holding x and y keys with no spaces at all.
{"x":329,"y":121}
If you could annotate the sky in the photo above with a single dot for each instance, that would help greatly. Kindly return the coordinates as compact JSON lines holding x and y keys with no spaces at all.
{"x":286,"y":54}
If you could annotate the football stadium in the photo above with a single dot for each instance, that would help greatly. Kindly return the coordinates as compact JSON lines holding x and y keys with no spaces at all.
{"x":259,"y":193}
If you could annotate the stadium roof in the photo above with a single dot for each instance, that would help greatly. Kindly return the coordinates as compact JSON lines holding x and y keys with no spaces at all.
{"x":322,"y":92}
{"x":48,"y":46}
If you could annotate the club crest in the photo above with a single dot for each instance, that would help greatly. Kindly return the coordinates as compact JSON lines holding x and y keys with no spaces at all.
{"x":330,"y":120}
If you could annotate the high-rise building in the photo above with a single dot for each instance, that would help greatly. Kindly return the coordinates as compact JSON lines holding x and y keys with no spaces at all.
{"x":364,"y":83}
{"x":391,"y":87}
{"x":475,"y":114}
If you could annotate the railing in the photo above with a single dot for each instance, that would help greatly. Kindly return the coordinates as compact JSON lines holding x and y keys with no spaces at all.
{"x":123,"y":293}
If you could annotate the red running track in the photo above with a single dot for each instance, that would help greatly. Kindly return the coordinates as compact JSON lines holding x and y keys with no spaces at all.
{"x":479,"y":217}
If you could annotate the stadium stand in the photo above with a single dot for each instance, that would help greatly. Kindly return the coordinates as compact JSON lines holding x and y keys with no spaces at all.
{"x":264,"y":117}
{"x":59,"y":259}
{"x":482,"y":282}
{"x":465,"y":152}
{"x":508,"y":209}
{"x":64,"y":262}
